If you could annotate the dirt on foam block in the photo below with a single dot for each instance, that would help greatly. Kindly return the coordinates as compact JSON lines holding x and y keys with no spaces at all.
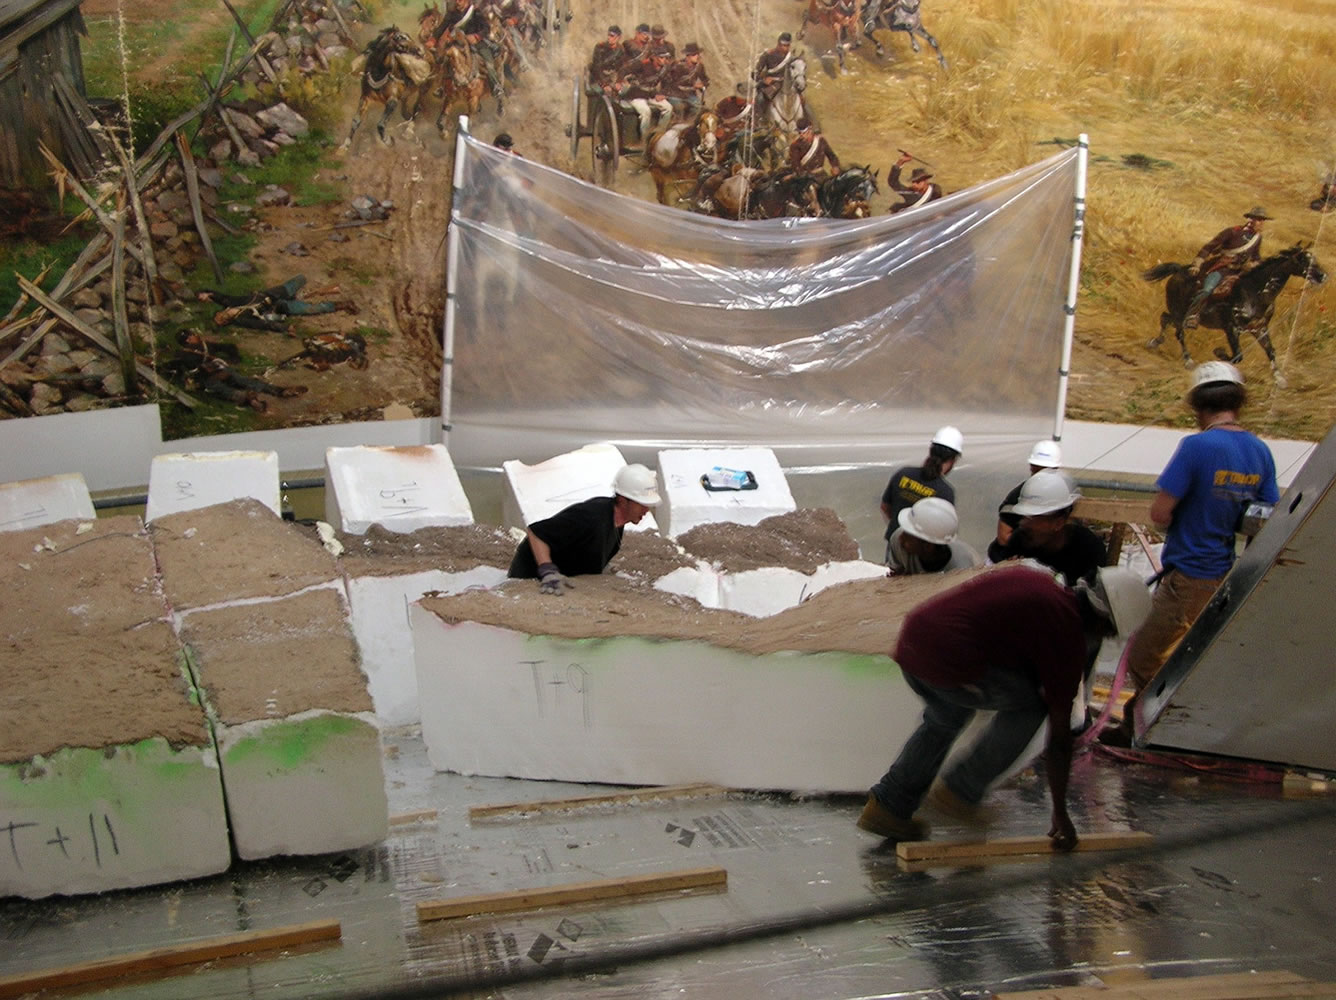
{"x":859,"y":617}
{"x":236,"y":550}
{"x":297,"y":739}
{"x":103,"y":745}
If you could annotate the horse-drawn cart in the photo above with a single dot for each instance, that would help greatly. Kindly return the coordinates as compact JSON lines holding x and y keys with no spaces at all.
{"x":607,"y":123}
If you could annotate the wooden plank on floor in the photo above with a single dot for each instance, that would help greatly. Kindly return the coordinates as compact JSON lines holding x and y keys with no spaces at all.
{"x":420,"y":816}
{"x":158,"y":959}
{"x":956,"y":850}
{"x":577,"y":892}
{"x":1299,"y":786}
{"x":514,"y":809}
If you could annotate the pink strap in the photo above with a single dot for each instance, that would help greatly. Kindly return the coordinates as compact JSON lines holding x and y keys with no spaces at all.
{"x":1119,"y":676}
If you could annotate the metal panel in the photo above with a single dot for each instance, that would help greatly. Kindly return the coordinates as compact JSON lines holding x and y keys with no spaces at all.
{"x":1253,"y":677}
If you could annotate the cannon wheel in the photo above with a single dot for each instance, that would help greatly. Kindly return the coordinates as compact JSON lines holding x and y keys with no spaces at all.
{"x":577,"y":92}
{"x":606,"y":146}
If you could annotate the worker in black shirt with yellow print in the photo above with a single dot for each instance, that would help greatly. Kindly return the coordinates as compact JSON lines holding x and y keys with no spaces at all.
{"x":912,"y":483}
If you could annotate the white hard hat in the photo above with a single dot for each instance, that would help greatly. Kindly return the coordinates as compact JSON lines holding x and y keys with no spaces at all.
{"x":950,"y":437}
{"x":1046,"y":455}
{"x":1216,"y":371}
{"x":636,"y":482}
{"x":1121,"y":594}
{"x":931,"y":519}
{"x":1043,"y":493}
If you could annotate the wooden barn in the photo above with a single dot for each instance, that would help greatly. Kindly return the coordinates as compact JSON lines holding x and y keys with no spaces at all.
{"x":42,"y":97}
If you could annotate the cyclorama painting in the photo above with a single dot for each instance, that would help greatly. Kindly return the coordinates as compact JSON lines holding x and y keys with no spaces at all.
{"x":238,"y":210}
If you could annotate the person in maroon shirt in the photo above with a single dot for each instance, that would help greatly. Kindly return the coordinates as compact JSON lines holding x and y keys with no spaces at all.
{"x":1011,"y":641}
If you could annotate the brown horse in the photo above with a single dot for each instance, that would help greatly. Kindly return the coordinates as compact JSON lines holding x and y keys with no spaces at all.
{"x":394,"y":69}
{"x":460,"y":78}
{"x":1246,"y":308}
{"x":786,"y":194}
{"x":428,"y":21}
{"x":681,"y":151}
{"x":731,"y":198}
{"x":839,"y":17}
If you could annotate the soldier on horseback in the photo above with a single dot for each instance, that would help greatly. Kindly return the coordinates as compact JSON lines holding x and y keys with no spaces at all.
{"x":1219,"y":264}
{"x":735,"y":112}
{"x":920,"y":189}
{"x":685,"y":82}
{"x":770,"y":70}
{"x":840,"y":16}
{"x":898,"y":15}
{"x":1326,"y":199}
{"x":468,"y":20}
{"x":810,"y":152}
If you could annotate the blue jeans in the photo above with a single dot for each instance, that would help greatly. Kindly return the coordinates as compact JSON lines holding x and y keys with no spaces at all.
{"x":946,"y":711}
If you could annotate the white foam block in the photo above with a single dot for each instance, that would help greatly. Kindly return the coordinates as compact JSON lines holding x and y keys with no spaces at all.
{"x":310,"y":783}
{"x":91,"y":820}
{"x":380,"y":624}
{"x":297,"y":739}
{"x":687,"y":503}
{"x":34,"y":502}
{"x":699,"y":582}
{"x":536,"y":492}
{"x":761,"y":592}
{"x":191,"y":480}
{"x":638,"y":711}
{"x":770,"y":590}
{"x":401,"y":489}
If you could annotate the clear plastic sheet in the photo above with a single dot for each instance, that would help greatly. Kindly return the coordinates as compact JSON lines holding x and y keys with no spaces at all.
{"x":1237,"y":879}
{"x":580,"y":311}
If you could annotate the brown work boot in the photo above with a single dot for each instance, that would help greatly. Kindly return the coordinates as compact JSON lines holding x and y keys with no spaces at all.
{"x":876,"y":818}
{"x":948,"y":803}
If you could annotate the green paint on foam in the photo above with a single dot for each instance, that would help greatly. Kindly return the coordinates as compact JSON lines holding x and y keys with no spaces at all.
{"x":289,"y":744}
{"x":79,"y":774}
{"x":861,"y":664}
{"x":604,"y":653}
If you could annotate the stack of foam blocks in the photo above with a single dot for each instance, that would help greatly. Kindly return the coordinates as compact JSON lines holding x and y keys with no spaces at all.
{"x":168,"y":686}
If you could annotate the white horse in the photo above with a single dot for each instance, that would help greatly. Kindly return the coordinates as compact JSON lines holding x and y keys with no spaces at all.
{"x":788,"y":105}
{"x":898,"y":15}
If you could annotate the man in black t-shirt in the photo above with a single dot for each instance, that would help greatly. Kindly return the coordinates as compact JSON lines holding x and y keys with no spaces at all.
{"x":1044,"y":455}
{"x":1048,"y":533}
{"x":583,"y":538}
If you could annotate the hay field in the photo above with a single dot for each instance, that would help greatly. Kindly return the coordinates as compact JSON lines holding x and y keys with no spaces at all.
{"x":1219,"y":104}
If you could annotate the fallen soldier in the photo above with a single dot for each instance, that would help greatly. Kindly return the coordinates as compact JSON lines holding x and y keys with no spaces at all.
{"x":322,"y":351}
{"x":201,"y":362}
{"x":269,"y":309}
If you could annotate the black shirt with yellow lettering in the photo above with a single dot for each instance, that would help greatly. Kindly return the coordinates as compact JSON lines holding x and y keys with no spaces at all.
{"x":908,"y":486}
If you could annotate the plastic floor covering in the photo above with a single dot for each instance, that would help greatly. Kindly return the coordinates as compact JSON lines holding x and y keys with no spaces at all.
{"x":1238,"y":878}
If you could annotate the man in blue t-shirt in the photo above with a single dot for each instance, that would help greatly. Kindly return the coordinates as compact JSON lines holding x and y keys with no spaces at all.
{"x":1203,"y":493}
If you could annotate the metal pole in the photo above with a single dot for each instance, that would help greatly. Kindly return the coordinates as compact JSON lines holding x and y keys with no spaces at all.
{"x":451,"y":264}
{"x":1073,"y":281}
